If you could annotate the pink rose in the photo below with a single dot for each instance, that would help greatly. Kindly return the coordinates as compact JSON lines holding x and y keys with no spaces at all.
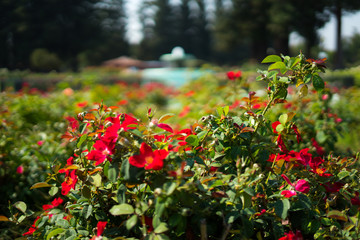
{"x":302,"y":186}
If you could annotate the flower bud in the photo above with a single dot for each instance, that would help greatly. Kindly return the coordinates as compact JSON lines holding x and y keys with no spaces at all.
{"x":80,"y":116}
{"x":157,"y":191}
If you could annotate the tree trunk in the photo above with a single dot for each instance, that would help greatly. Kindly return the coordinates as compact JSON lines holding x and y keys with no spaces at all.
{"x":339,"y":62}
{"x":281,"y":45}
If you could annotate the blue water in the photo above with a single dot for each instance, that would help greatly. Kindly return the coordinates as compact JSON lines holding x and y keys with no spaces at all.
{"x":176,"y":77}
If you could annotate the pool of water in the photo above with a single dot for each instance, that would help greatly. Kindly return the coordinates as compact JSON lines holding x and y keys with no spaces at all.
{"x":176,"y":77}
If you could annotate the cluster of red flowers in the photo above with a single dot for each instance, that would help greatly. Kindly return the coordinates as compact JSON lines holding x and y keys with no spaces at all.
{"x":33,"y":228}
{"x":70,"y":177}
{"x":279,"y":139}
{"x":292,"y":236}
{"x":233,"y":75}
{"x":301,"y":186}
{"x":303,"y":158}
{"x":56,"y":202}
{"x":148,"y":158}
{"x":105,"y":146}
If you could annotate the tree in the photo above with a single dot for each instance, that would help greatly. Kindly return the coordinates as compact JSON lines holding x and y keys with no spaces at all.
{"x":248,"y":19}
{"x":185,"y":26}
{"x":281,"y":14}
{"x":63,"y":27}
{"x":352,"y":50}
{"x":338,"y":8}
{"x":164,"y":28}
{"x":202,"y":34}
{"x":309,"y":17}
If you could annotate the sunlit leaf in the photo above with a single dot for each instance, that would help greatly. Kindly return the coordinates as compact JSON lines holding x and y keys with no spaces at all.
{"x":21,"y":206}
{"x":165,"y":117}
{"x":54,"y":233}
{"x":272,"y":58}
{"x":40,"y":185}
{"x":192,"y":140}
{"x":337,"y":215}
{"x":122,"y":209}
{"x":283,"y":119}
{"x":89,"y":116}
{"x":304,"y":91}
{"x":247,"y":129}
{"x":3,"y":219}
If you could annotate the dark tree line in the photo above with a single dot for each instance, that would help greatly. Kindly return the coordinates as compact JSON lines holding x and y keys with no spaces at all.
{"x":239,"y":30}
{"x":85,"y":32}
{"x":76,"y":31}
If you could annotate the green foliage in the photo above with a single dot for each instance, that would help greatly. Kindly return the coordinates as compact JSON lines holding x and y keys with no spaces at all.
{"x":248,"y":165}
{"x":44,"y":61}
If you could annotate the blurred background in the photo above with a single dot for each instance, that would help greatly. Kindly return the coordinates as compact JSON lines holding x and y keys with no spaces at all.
{"x":66,"y":35}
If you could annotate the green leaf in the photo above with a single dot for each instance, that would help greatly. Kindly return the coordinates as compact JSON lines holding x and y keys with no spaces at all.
{"x":321,"y":137}
{"x":278,"y":65}
{"x":343,"y":174}
{"x":326,"y":221}
{"x":82,"y":127}
{"x":21,"y":206}
{"x":53,"y":191}
{"x":226,"y":110}
{"x":81,"y":140}
{"x":113,"y":172}
{"x":283,"y":119}
{"x":284,"y":80}
{"x":307,"y":78}
{"x":282,"y":207}
{"x":295,"y":62}
{"x":95,"y":180}
{"x":303,"y":91}
{"x":130,"y":173}
{"x":122,"y":209}
{"x":280,"y":128}
{"x":131,"y":222}
{"x":86,"y":211}
{"x":220,"y":111}
{"x":318,"y":83}
{"x":192,"y":140}
{"x":169,"y":187}
{"x":54,"y":232}
{"x":40,"y":185}
{"x":162,"y":227}
{"x":120,"y":194}
{"x":246,"y":199}
{"x":86,"y":192}
{"x":337,"y":215}
{"x":159,"y":209}
{"x":21,"y":218}
{"x":160,"y":237}
{"x":250,"y":191}
{"x":272,"y":58}
{"x":62,"y":223}
{"x":282,"y":93}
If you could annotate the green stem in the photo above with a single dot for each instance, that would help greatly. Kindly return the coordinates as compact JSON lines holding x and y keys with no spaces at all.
{"x":272,"y":166}
{"x":265,"y":110}
{"x":272,"y":98}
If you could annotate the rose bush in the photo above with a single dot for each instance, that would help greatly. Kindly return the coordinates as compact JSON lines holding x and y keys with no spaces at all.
{"x":251,"y":170}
